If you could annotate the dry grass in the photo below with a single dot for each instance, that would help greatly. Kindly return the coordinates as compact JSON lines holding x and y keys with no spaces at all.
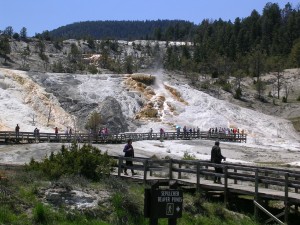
{"x":147,"y":113}
{"x":171,"y":107}
{"x":143,"y":78}
{"x":176,"y":94}
{"x":296,"y":123}
{"x":147,"y":91}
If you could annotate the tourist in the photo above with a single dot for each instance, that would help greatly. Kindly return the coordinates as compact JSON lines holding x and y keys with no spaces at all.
{"x":216,"y":157}
{"x":129,"y":152}
{"x":17,"y":129}
{"x":56,"y":131}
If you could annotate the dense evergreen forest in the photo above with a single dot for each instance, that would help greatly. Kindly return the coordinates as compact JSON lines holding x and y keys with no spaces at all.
{"x":272,"y":36}
{"x":247,"y":46}
{"x":126,"y":30}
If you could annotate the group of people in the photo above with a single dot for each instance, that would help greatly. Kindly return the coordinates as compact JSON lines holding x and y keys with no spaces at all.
{"x":187,"y":131}
{"x":216,"y":158}
{"x":225,"y":130}
{"x":103,"y":132}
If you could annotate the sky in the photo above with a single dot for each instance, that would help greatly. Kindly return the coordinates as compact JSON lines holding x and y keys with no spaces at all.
{"x":38,"y":16}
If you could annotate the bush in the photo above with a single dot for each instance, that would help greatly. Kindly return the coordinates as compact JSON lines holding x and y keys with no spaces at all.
{"x":143,"y":78}
{"x":298,"y":99}
{"x":205,"y":85}
{"x":92,"y":69}
{"x":87,"y":161}
{"x":187,"y":156}
{"x":284,"y":99}
{"x":215,"y":74}
{"x":227,"y":87}
{"x":238,"y":93}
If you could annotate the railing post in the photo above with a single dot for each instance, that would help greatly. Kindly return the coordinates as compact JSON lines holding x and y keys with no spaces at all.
{"x":296,"y":191}
{"x":170,"y":169}
{"x":256,"y":194}
{"x":145,"y":170}
{"x":266,"y":174}
{"x":225,"y":185}
{"x":179,"y":173}
{"x":235,"y":180}
{"x":286,"y":198}
{"x":120,"y":166}
{"x":198,"y":177}
{"x":206,"y":176}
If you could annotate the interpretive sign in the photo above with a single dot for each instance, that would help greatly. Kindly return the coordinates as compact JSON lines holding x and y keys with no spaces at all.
{"x":164,"y":203}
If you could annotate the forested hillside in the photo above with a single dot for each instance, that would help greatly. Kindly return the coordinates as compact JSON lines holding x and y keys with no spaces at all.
{"x":225,"y":51}
{"x":126,"y":30}
{"x":219,"y":47}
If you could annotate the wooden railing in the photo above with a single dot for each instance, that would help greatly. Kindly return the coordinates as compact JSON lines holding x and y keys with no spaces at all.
{"x":260,"y":182}
{"x":30,"y":137}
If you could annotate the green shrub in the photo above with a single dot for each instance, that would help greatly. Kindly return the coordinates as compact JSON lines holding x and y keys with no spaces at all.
{"x":188,"y":156}
{"x":284,"y":99}
{"x":227,"y":87}
{"x":92,"y":69}
{"x":238,"y":93}
{"x":205,"y":85}
{"x":87,"y":161}
{"x":298,"y":99}
{"x":215,"y":74}
{"x":40,"y":213}
{"x":144,"y":78}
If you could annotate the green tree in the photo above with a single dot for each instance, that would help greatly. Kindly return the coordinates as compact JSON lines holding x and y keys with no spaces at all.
{"x":74,"y":54}
{"x":128,"y":64}
{"x":23,"y":33}
{"x":4,"y":47}
{"x":58,"y":67}
{"x":276,"y":64}
{"x":91,"y":43}
{"x":295,"y":54}
{"x":94,"y":122}
{"x":8,"y":31}
{"x":24,"y":55}
{"x":260,"y":86}
{"x":257,"y":61}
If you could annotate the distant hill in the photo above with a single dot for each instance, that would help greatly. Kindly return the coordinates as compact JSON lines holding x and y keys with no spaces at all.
{"x":127,"y":30}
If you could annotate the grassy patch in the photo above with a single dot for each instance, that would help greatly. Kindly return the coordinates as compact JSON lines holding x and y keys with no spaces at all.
{"x":144,"y":78}
{"x":296,"y":123}
{"x":176,"y":94}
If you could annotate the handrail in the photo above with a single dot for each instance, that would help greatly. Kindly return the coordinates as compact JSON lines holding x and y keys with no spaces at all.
{"x":125,"y":136}
{"x":267,"y":212}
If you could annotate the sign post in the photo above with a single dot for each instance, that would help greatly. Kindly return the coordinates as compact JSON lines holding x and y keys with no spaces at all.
{"x":163,"y":203}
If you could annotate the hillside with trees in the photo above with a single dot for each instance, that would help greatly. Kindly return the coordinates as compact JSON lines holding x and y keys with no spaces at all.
{"x":228,"y":60}
{"x":127,"y":30}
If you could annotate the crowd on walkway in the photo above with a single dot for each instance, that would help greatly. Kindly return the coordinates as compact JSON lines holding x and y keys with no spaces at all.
{"x":225,"y":130}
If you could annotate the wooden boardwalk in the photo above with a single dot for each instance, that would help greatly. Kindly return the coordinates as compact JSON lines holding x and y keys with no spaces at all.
{"x":30,"y":137}
{"x":262,"y":183}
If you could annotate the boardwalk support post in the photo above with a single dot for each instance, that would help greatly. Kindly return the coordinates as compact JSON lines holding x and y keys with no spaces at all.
{"x":256,"y":194}
{"x":120,"y":166}
{"x":225,"y":185}
{"x":171,"y":169}
{"x":286,"y":198}
{"x":198,"y":177}
{"x":145,"y":170}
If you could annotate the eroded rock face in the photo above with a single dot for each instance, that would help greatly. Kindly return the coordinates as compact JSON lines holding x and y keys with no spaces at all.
{"x":111,"y":112}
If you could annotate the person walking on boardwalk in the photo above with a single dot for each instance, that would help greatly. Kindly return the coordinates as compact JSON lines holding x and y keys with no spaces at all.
{"x":129,"y":152}
{"x":56,"y":132}
{"x":17,"y":129}
{"x":216,"y":157}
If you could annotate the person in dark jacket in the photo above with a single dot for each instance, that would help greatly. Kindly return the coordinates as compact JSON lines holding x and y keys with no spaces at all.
{"x":216,"y":157}
{"x":129,"y":152}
